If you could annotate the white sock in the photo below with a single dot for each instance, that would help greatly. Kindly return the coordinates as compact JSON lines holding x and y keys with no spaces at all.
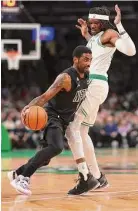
{"x":90,"y":153}
{"x":82,"y":167}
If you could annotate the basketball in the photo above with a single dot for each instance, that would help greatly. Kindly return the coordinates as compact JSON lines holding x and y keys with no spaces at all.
{"x":35,"y":118}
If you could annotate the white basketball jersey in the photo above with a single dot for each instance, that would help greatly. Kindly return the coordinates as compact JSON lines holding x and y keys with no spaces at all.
{"x":101,"y":55}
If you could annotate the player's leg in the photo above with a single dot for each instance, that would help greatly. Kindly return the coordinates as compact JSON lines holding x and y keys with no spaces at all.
{"x":77,"y":154}
{"x":91,"y":157}
{"x":73,"y":131}
{"x":54,"y":137}
{"x":87,"y":111}
{"x":90,"y":152}
{"x":43,"y":144}
{"x":82,"y":150}
{"x":75,"y":140}
{"x":87,"y":181}
{"x":90,"y":106}
{"x":55,"y":146}
{"x":88,"y":144}
{"x":96,"y":95}
{"x":14,"y":173}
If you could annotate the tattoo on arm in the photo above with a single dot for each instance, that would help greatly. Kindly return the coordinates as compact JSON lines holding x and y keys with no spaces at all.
{"x":63,"y":81}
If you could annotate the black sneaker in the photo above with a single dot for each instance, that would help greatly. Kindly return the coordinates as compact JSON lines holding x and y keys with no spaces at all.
{"x":84,"y":186}
{"x":103,"y":182}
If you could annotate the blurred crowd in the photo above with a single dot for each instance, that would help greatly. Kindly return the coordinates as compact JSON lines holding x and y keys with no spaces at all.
{"x":12,"y":102}
{"x":116,"y":124}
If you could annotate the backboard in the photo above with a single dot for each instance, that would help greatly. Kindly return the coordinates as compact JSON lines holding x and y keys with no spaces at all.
{"x":18,"y":37}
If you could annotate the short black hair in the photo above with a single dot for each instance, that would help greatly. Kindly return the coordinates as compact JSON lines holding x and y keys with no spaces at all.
{"x":102,"y":11}
{"x":79,"y":50}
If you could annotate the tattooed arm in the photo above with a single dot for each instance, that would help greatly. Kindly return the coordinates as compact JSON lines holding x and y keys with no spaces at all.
{"x":63,"y":81}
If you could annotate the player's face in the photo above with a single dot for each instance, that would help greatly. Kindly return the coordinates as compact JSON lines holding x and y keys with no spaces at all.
{"x":84,"y":62}
{"x":95,"y":26}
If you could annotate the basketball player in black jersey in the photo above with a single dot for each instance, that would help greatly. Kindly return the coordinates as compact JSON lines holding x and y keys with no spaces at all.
{"x":62,"y":99}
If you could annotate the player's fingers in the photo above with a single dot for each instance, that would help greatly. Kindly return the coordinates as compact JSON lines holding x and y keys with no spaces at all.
{"x":116,"y":6}
{"x":81,"y":21}
{"x":22,"y":117}
{"x":25,"y":109}
{"x":79,"y":27}
{"x":23,"y":113}
{"x":117,"y":9}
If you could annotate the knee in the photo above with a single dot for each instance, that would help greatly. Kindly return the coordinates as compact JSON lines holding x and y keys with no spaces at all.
{"x":72,"y":135}
{"x":72,"y":131}
{"x":58,"y":148}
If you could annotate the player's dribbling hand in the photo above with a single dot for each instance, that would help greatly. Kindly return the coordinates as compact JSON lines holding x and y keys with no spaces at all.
{"x":83,"y":27}
{"x":118,"y":16}
{"x":23,"y":113}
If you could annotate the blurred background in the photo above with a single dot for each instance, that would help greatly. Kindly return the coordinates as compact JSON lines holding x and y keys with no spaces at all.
{"x":44,"y":35}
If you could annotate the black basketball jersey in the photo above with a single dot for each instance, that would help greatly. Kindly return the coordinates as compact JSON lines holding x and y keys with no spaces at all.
{"x":65,"y":103}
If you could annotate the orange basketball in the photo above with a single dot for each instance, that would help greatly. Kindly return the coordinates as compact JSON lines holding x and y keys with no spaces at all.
{"x":36,"y":118}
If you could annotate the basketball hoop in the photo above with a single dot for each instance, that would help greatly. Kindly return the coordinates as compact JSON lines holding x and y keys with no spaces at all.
{"x":13,"y":58}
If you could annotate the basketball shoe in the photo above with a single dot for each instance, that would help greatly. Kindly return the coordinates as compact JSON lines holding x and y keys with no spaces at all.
{"x":103,"y":182}
{"x":21,"y":184}
{"x":84,"y":186}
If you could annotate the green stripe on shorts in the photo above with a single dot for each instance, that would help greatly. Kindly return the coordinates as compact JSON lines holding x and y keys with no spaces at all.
{"x":84,"y":112}
{"x":86,"y":124}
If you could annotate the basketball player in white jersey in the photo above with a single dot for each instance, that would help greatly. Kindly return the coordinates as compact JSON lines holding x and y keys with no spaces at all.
{"x":103,"y":41}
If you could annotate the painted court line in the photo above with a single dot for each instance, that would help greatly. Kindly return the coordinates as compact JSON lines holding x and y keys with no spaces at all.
{"x":66,"y":196}
{"x":114,"y":192}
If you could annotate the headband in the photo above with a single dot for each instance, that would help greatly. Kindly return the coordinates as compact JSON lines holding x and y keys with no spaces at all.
{"x":100,"y":17}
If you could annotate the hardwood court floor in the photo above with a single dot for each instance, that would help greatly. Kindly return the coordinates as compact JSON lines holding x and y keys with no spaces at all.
{"x":49,"y":189}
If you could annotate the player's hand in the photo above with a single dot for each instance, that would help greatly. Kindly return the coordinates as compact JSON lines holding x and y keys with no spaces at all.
{"x":118,"y":16}
{"x":83,"y":27}
{"x":23,"y":112}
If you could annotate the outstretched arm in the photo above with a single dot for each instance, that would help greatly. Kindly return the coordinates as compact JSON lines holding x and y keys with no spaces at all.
{"x":121,"y":41}
{"x":125,"y":43}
